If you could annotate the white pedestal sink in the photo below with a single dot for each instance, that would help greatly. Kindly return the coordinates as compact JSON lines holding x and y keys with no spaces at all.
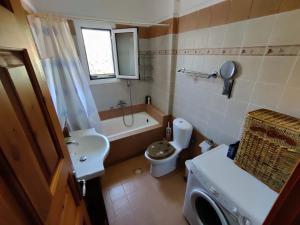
{"x":88,"y":150}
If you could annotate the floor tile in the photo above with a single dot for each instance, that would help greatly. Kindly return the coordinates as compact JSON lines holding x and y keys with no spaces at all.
{"x":133,"y":198}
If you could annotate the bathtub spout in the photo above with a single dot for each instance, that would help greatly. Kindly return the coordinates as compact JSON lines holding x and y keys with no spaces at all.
{"x":121,"y":104}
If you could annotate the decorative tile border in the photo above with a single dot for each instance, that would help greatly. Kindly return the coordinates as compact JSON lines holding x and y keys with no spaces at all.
{"x":281,"y":50}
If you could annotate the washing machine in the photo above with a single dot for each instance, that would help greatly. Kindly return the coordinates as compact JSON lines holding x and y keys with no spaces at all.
{"x":220,"y":193}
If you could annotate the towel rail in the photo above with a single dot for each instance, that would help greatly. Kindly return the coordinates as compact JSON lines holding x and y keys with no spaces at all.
{"x":198,"y":74}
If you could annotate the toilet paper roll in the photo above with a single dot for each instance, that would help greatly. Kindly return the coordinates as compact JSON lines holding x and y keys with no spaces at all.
{"x":206,"y":145}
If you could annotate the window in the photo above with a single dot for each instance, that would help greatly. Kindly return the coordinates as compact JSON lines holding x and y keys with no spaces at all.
{"x":98,"y":51}
{"x":126,"y":53}
{"x":107,"y":54}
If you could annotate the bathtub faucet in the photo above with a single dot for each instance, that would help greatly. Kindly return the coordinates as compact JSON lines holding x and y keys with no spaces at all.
{"x":121,"y":103}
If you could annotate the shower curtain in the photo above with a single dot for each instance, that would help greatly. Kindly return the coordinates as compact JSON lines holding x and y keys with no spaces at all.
{"x":65,"y":77}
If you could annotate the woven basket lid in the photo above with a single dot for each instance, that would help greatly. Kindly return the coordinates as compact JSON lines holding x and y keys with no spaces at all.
{"x":272,"y":117}
{"x":160,"y":150}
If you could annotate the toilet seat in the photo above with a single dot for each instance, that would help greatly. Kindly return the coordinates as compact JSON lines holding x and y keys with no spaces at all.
{"x":163,"y":158}
{"x":160,"y":150}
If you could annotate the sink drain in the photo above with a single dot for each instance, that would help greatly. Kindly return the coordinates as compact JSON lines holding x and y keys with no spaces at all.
{"x":138,"y":171}
{"x":82,"y":158}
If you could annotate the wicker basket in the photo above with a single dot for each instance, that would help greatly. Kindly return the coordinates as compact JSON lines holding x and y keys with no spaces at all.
{"x":270,"y":147}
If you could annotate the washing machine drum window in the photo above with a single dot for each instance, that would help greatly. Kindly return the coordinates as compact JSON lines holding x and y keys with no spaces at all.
{"x":160,"y":150}
{"x":208,"y":212}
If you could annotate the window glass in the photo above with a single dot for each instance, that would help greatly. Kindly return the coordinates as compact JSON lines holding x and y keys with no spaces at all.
{"x":125,"y":53}
{"x":98,"y":48}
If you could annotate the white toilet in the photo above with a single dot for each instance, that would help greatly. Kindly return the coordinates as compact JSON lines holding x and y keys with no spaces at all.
{"x":182,"y":132}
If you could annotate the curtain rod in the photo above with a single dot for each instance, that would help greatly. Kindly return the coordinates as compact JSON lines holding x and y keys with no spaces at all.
{"x":71,"y":17}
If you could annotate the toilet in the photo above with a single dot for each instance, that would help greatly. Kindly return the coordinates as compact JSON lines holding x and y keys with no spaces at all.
{"x":163,"y":155}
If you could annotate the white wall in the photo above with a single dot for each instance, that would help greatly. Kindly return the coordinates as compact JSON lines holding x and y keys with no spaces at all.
{"x":188,"y":6}
{"x":129,"y":10}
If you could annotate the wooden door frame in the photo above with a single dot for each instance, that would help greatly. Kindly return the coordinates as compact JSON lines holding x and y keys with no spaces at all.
{"x":286,"y":209}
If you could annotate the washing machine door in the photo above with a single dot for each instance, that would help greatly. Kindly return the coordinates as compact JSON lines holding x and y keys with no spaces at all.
{"x":206,"y":211}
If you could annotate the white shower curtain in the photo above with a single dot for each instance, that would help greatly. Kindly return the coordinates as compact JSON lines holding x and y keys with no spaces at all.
{"x":66,"y":80}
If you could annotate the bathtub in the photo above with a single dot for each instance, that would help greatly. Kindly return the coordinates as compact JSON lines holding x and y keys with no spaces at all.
{"x":115,"y":129}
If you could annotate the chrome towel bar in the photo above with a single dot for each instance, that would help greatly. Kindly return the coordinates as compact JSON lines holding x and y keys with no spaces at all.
{"x":198,"y":74}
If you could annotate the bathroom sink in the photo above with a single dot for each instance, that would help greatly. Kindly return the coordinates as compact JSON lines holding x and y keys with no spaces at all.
{"x":88,"y":149}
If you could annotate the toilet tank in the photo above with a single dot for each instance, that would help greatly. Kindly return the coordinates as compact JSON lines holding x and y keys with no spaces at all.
{"x":182,"y":132}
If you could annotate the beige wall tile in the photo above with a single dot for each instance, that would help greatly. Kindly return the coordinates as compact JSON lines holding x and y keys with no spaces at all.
{"x":186,"y":40}
{"x":242,"y":90}
{"x":234,"y":34}
{"x":216,"y":36}
{"x":236,"y":110}
{"x":249,"y":67}
{"x":263,"y":81}
{"x":201,"y":38}
{"x":258,"y":31}
{"x":276,"y":69}
{"x":294,"y":79}
{"x":290,"y":102}
{"x":287,"y":29}
{"x":266,"y":95}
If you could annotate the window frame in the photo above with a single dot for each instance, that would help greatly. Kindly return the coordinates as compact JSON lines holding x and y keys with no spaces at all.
{"x":134,"y":32}
{"x":79,"y":24}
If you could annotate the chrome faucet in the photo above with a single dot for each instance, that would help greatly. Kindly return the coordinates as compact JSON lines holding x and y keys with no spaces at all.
{"x":121,"y":104}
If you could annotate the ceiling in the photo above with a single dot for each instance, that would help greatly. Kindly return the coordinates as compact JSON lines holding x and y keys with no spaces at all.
{"x":146,"y":11}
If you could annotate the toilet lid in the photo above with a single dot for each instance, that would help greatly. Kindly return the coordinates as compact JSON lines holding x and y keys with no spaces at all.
{"x":160,"y":150}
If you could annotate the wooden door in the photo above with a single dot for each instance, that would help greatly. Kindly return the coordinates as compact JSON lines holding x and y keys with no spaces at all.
{"x":36,"y":181}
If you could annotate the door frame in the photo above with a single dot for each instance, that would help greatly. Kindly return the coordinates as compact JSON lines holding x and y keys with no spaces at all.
{"x":286,"y":209}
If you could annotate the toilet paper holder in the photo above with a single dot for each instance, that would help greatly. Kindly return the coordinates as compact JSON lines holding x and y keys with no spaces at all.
{"x":206,"y":145}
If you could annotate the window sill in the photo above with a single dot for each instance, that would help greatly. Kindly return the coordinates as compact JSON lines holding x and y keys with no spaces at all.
{"x":103,"y":81}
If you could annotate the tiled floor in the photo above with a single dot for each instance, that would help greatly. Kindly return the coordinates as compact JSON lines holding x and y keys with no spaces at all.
{"x":140,"y":199}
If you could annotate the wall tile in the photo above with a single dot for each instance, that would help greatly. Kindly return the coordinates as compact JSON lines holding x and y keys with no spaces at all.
{"x":188,"y":22}
{"x":195,"y":20}
{"x":249,"y":67}
{"x":108,"y":95}
{"x":236,"y":110}
{"x":242,"y":90}
{"x":234,"y":35}
{"x":275,"y":69}
{"x":290,"y":102}
{"x":287,"y":29}
{"x":201,"y":38}
{"x":294,"y":79}
{"x":218,"y":103}
{"x":264,"y":7}
{"x":219,"y":13}
{"x":287,"y":5}
{"x":216,"y":35}
{"x":263,"y":81}
{"x":258,"y":31}
{"x":239,"y":10}
{"x":232,"y":127}
{"x":266,"y":95}
{"x":186,"y":40}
